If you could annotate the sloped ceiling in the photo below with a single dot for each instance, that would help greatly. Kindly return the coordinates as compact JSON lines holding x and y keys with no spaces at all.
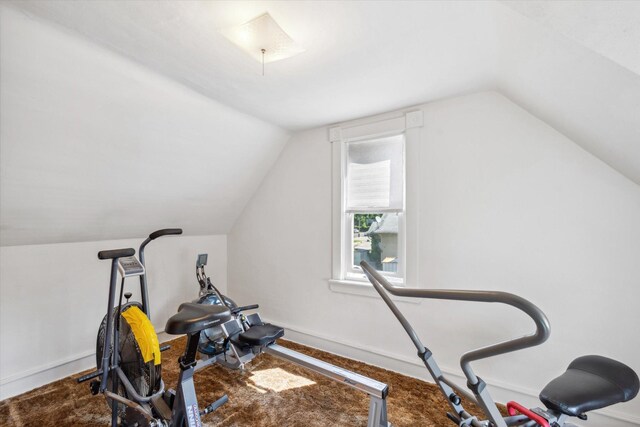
{"x":573,"y":64}
{"x":96,"y":147}
{"x":576,"y":66}
{"x":361,"y":57}
{"x":611,"y":29}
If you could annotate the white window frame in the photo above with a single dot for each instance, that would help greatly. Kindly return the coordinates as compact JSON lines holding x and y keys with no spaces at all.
{"x":343,"y":271}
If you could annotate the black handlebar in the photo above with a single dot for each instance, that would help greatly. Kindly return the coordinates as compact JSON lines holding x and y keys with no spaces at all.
{"x":164,"y":232}
{"x":116,"y":253}
{"x":143,"y":278}
{"x":244,"y":308}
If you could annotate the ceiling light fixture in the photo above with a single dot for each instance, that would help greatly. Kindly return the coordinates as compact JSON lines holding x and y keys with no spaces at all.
{"x":263,"y":39}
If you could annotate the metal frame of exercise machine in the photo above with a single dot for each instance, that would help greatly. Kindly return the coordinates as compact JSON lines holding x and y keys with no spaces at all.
{"x":236,"y":356}
{"x":566,"y":391}
{"x":163,"y":408}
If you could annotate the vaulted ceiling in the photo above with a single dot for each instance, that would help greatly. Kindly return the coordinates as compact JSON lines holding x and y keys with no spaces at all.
{"x":96,"y":147}
{"x":574,"y":64}
{"x":361,"y":57}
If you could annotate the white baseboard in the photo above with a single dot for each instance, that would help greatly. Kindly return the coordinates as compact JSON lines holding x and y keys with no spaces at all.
{"x":500,"y":391}
{"x":38,"y":376}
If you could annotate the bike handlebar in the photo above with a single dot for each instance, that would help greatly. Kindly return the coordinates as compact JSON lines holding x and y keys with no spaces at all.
{"x":155,"y":235}
{"x":244,"y":308}
{"x":116,"y":253}
{"x":143,"y":278}
{"x":164,"y":232}
{"x":540,"y":335}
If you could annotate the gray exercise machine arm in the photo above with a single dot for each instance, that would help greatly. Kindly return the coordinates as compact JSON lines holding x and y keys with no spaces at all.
{"x":540,"y":335}
{"x":143,"y":278}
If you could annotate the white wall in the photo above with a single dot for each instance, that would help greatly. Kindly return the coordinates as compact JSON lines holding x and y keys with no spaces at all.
{"x":53,"y":298}
{"x":94,"y":146}
{"x":505,"y":203}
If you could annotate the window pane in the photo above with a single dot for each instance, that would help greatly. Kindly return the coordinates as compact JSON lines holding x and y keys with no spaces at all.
{"x":375,"y":240}
{"x":375,"y":173}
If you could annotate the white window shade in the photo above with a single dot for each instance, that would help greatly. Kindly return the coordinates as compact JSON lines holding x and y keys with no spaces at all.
{"x":375,"y":178}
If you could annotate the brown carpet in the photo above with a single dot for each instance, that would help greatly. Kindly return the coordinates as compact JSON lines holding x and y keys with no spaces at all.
{"x":270,"y":392}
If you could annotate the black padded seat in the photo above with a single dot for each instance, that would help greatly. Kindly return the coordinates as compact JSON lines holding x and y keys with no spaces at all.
{"x":590,"y":382}
{"x":192,"y":317}
{"x":258,"y":335}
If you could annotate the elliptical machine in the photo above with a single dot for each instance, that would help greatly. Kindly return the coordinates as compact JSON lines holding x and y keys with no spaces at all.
{"x":590,"y":382}
{"x":128,"y":353}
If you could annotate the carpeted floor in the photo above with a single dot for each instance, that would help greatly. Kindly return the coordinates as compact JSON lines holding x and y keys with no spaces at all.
{"x":270,"y":392}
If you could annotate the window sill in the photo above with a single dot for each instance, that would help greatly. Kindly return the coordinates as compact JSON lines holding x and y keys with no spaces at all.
{"x":365,"y":289}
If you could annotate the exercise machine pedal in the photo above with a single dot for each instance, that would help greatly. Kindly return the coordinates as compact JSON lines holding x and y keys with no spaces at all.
{"x":94,"y":386}
{"x":161,"y":406}
{"x":215,"y":405}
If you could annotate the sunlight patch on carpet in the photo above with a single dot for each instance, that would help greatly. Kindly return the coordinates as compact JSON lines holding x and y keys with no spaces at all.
{"x":277,"y":379}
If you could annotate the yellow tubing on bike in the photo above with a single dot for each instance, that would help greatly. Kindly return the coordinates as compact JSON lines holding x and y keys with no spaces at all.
{"x":144,"y":333}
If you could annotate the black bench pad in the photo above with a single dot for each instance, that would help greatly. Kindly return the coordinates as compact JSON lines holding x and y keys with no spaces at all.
{"x":590,"y":382}
{"x":258,"y":335}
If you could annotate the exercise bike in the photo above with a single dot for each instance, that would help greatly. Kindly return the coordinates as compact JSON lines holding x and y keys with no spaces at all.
{"x":128,"y":353}
{"x":236,"y":342}
{"x":589,"y":383}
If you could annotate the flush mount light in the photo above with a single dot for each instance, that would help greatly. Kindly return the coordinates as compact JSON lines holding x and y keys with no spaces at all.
{"x":263,"y":39}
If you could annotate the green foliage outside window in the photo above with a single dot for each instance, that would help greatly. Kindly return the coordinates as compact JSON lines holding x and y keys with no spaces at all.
{"x":362,"y":222}
{"x":376,"y":251}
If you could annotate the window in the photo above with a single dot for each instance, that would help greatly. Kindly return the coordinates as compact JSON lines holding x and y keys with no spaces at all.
{"x":373,"y":206}
{"x":373,"y":159}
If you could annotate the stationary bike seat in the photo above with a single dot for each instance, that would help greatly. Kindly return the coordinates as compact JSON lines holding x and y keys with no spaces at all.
{"x":590,"y":382}
{"x":192,"y":317}
{"x":258,"y":335}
